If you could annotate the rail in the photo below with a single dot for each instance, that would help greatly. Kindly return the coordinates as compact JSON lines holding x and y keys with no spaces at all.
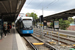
{"x":31,"y":44}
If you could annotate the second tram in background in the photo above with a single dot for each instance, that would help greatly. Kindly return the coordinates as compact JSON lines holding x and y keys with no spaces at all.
{"x":24,"y":25}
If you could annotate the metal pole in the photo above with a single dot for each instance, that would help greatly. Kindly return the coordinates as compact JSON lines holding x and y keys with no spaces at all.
{"x":42,"y":10}
{"x":74,"y":21}
{"x":34,"y":17}
{"x":58,"y":38}
{"x":40,"y":28}
{"x":34,"y":20}
{"x":42,"y":24}
{"x":51,"y":35}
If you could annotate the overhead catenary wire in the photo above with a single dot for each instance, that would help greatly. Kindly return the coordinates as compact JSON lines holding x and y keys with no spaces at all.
{"x":51,"y":3}
{"x":47,"y":6}
{"x":29,"y":3}
{"x":40,"y":3}
{"x":44,"y":7}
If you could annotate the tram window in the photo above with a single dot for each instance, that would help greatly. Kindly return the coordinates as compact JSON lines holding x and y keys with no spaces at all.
{"x":21,"y":25}
{"x":26,"y":19}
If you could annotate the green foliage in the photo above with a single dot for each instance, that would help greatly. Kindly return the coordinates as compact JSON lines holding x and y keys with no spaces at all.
{"x":34,"y":15}
{"x":51,"y":24}
{"x":63,"y":24}
{"x":70,"y":19}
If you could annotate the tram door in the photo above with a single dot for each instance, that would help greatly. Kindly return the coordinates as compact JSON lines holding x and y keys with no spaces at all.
{"x":1,"y":28}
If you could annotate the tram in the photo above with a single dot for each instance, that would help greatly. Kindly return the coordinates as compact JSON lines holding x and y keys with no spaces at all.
{"x":24,"y":25}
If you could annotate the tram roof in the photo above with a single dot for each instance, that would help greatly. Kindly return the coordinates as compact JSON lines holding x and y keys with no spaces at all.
{"x":26,"y":17}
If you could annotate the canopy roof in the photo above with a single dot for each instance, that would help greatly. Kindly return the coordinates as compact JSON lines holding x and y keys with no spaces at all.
{"x":9,"y":9}
{"x":65,"y":14}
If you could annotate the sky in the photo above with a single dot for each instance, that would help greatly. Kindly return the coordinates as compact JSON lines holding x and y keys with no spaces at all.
{"x":48,"y":7}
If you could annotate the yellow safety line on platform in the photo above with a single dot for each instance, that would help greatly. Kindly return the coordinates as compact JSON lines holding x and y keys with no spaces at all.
{"x":37,"y":43}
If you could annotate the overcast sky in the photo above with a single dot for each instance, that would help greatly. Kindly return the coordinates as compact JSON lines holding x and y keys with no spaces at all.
{"x":49,"y":6}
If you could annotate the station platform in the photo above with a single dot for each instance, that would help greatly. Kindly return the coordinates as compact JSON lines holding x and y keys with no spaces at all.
{"x":13,"y":41}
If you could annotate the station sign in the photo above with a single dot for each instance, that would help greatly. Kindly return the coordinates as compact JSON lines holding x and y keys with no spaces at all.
{"x":56,"y":24}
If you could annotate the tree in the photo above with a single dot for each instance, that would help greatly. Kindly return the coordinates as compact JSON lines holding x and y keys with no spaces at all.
{"x":63,"y":24}
{"x":70,"y":19}
{"x":51,"y":24}
{"x":34,"y":15}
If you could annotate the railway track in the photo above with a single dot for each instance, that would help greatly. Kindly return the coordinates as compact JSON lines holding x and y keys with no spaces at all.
{"x":73,"y":33}
{"x":62,"y":40}
{"x":36,"y":44}
{"x":71,"y":40}
{"x":30,"y":44}
{"x":67,"y":42}
{"x":55,"y":47}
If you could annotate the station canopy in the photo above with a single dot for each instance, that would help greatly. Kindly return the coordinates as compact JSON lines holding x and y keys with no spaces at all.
{"x":63,"y":15}
{"x":9,"y":9}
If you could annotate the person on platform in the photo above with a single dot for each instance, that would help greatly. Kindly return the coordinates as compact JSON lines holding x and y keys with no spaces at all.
{"x":13,"y":27}
{"x":4,"y":29}
{"x":9,"y":27}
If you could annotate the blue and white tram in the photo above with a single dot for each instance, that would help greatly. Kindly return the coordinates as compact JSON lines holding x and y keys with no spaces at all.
{"x":24,"y":25}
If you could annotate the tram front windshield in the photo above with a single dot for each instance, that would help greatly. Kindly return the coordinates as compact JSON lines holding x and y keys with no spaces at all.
{"x":27,"y":23}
